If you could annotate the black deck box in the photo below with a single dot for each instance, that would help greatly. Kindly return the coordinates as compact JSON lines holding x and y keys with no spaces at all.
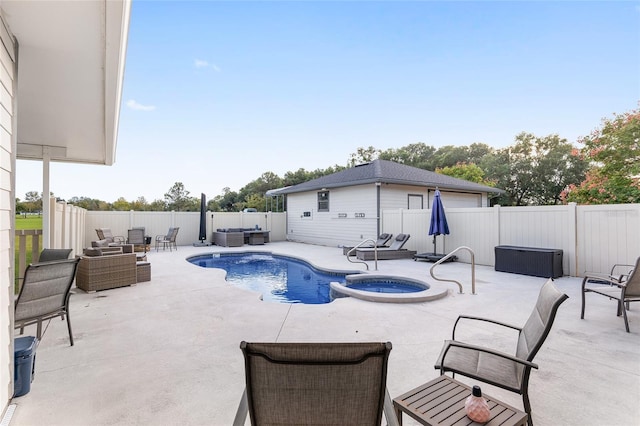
{"x":538,"y":262}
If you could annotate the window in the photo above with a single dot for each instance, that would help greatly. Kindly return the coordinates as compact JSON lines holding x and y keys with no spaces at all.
{"x":415,"y":201}
{"x":323,"y":201}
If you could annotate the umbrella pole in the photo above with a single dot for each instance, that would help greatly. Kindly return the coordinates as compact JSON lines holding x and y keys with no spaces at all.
{"x":434,"y":244}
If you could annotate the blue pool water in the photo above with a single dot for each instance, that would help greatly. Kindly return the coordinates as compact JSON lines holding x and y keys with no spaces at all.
{"x":386,"y":287}
{"x":278,"y":278}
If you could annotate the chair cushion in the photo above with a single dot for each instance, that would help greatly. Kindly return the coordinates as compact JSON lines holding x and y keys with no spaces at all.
{"x":100,"y":243}
{"x":94,"y":251}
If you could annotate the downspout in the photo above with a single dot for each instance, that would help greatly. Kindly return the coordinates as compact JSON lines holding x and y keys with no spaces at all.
{"x":378,"y":212}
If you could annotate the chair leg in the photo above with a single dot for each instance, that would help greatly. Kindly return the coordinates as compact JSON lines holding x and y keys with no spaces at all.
{"x":624,"y":314}
{"x":69,"y":328}
{"x":243,"y":410}
{"x":527,"y":407}
{"x":389,"y":412}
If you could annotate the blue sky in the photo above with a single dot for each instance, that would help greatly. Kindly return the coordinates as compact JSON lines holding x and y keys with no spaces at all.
{"x":218,"y":93}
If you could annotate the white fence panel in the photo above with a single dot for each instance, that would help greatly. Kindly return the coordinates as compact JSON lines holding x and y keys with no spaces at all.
{"x":158,"y":223}
{"x":609,"y":234}
{"x":474,"y":228}
{"x":592,"y":238}
{"x":543,"y":226}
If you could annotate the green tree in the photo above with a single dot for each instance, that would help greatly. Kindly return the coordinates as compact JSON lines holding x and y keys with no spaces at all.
{"x":178,"y":198}
{"x":158,"y":205}
{"x":470,"y":172}
{"x":121,"y":205}
{"x":260,"y":186}
{"x":535,"y":170}
{"x":613,"y":153}
{"x":256,"y":201}
{"x":363,"y":155}
{"x":33,"y":201}
{"x":414,"y":155}
{"x":228,"y":201}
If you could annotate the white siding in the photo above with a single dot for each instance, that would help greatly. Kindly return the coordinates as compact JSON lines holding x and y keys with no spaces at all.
{"x":7,"y":212}
{"x":342,"y":225}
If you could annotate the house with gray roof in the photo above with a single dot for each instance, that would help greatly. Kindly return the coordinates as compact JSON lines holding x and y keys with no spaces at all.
{"x":345,"y":208}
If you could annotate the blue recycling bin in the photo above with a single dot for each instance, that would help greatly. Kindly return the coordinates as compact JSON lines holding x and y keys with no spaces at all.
{"x":24,"y":357}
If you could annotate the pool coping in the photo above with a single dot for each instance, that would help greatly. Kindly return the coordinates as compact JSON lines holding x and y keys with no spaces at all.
{"x":434,"y":292}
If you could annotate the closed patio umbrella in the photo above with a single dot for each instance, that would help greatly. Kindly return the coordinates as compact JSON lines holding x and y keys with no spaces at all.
{"x":438,"y":224}
{"x":202,"y":235}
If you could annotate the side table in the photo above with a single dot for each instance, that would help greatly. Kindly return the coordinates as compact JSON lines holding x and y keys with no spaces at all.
{"x":441,"y":402}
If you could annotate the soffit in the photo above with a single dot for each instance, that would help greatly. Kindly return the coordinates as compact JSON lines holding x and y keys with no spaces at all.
{"x":71,"y":57}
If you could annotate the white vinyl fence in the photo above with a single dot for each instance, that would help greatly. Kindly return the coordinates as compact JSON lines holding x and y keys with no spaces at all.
{"x":158,"y":223}
{"x":592,"y":237}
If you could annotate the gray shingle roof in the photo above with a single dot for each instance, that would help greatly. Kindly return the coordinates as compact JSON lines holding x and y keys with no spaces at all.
{"x":384,"y":171}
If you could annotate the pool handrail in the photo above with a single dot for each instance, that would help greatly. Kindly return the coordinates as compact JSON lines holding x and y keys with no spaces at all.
{"x":473,"y":269}
{"x":375,"y":253}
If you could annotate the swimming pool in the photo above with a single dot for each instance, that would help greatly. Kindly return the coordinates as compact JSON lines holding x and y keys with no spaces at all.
{"x":287,"y":279}
{"x":278,"y":278}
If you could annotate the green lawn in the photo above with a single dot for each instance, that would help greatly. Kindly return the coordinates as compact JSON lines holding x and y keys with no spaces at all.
{"x":29,"y":222}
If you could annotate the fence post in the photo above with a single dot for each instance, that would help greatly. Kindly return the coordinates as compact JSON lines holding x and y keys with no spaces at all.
{"x":572,"y":230}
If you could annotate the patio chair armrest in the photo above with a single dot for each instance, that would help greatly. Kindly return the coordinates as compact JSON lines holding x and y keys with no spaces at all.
{"x":470,"y":317}
{"x":602,"y":279}
{"x":488,"y":351}
{"x":120,"y":240}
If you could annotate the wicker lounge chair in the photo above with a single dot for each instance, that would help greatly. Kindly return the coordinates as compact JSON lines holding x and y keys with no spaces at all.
{"x":394,"y":251}
{"x":500,"y":369}
{"x":382,"y":241}
{"x":623,"y":286}
{"x":105,"y":234}
{"x":315,"y":383}
{"x":45,"y":294}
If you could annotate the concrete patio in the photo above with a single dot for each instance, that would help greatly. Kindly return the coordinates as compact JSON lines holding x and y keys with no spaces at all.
{"x":167,"y":352}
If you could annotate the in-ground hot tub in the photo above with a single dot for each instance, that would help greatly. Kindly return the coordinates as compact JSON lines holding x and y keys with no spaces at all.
{"x":386,"y":288}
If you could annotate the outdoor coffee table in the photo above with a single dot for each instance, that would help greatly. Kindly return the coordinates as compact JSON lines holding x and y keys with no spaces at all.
{"x":441,"y":402}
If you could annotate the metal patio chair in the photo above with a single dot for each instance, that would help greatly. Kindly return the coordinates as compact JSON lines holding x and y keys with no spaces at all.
{"x":45,"y":294}
{"x":620,"y":285}
{"x":137,"y":238}
{"x":48,"y":255}
{"x":315,"y":383}
{"x":168,"y":240}
{"x":507,"y":371}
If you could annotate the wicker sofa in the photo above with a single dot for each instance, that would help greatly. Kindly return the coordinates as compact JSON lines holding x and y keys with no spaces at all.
{"x":228,"y":238}
{"x":236,"y":237}
{"x":104,"y":268}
